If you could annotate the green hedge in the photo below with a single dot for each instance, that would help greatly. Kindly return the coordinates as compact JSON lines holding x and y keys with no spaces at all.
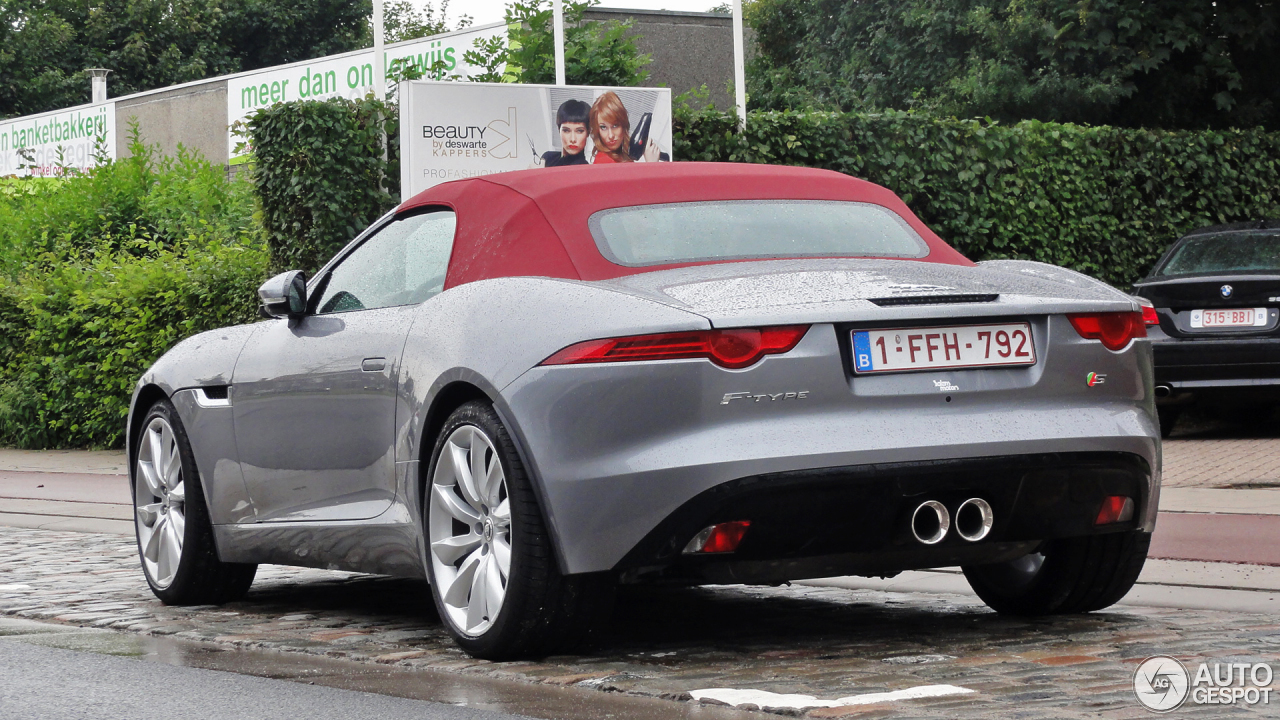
{"x":1105,"y":201}
{"x":1102,"y":200}
{"x":103,"y":273}
{"x":320,"y":175}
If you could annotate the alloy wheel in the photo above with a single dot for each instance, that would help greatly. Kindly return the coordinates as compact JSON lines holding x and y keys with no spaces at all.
{"x":160,"y":502}
{"x":469,"y":528}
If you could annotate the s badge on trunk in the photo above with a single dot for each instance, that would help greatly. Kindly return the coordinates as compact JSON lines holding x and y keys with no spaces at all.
{"x":1094,"y":378}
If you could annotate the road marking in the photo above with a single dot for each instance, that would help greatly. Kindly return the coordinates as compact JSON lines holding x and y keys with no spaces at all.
{"x":765,"y":699}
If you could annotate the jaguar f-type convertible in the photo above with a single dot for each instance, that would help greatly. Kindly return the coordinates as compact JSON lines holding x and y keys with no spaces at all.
{"x":530,"y":387}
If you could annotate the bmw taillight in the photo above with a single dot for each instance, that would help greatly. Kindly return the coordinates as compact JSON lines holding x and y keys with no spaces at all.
{"x":1149,"y":314}
{"x":1114,"y":329}
{"x":734,"y":348}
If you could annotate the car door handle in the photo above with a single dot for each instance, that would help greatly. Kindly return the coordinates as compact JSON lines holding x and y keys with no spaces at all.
{"x":374,"y":364}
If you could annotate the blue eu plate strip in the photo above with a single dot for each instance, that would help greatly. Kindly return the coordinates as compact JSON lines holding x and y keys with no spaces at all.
{"x":862,"y":352}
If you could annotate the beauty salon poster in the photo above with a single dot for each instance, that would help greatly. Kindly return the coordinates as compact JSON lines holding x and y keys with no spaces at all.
{"x":453,"y":130}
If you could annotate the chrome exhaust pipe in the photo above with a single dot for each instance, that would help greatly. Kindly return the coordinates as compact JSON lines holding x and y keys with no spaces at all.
{"x":930,"y":522}
{"x":973,"y":519}
{"x":1164,"y":391}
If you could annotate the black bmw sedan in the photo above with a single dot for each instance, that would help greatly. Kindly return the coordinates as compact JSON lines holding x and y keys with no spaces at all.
{"x":1216,"y":298}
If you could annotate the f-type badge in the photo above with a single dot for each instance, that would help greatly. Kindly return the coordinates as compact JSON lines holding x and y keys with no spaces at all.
{"x":758,"y":397}
{"x":1094,"y":379}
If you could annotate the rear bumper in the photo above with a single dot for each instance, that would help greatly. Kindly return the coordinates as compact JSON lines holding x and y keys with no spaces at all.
{"x":856,"y":520}
{"x":616,"y":449}
{"x":1244,"y":369}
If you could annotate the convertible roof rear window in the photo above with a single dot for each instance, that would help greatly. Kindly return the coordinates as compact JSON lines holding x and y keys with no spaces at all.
{"x":1257,"y":250}
{"x":751,"y":229}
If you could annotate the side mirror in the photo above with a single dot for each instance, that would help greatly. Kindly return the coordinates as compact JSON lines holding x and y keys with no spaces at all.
{"x":285,"y":295}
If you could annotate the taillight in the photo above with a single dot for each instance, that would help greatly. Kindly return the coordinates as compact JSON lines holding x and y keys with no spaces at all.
{"x":722,"y":538}
{"x":1114,"y":329}
{"x":1149,"y":314}
{"x":736,"y":348}
{"x":1115,"y":508}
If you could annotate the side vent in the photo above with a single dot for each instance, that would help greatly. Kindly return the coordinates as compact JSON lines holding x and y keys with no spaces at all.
{"x":935,"y":299}
{"x":213,"y":396}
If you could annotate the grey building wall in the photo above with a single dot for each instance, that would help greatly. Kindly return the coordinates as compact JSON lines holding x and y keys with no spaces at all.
{"x":689,"y":49}
{"x":194,"y":115}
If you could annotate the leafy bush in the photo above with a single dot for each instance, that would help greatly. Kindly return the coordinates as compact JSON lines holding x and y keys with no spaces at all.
{"x":93,"y":325}
{"x":320,"y":174}
{"x":1105,"y":201}
{"x":162,"y":197}
{"x":103,"y":273}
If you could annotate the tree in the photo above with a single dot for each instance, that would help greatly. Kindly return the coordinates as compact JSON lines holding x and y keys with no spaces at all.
{"x":1173,"y":63}
{"x":45,"y":45}
{"x":402,"y":21}
{"x":595,"y":53}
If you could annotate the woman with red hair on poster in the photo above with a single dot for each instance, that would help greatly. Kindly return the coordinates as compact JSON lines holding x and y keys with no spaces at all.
{"x":610,"y":129}
{"x":611,"y":134}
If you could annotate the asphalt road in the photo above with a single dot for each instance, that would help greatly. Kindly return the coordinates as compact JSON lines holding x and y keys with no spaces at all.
{"x":43,"y":683}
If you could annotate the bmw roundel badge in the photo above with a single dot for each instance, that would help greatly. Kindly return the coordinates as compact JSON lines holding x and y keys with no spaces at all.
{"x":1226,"y":291}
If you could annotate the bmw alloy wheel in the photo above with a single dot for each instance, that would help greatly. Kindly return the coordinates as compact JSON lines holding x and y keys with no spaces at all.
{"x":160,"y":502}
{"x":470,"y":530}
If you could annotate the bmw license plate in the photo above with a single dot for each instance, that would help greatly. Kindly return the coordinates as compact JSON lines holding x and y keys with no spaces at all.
{"x":1229,"y":318}
{"x":940,"y":348}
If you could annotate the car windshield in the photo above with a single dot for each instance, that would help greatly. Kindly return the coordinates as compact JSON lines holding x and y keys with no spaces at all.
{"x":1226,"y":252}
{"x":744,"y":229}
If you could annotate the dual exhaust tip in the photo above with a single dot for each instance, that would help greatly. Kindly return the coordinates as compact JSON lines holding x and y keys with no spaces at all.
{"x":931,"y":521}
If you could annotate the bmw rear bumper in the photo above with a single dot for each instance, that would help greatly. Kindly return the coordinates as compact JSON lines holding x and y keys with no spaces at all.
{"x":1243,"y":369}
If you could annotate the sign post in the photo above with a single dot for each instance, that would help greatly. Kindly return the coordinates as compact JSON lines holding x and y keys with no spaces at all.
{"x":739,"y":73}
{"x":557,"y":19}
{"x":379,"y":54}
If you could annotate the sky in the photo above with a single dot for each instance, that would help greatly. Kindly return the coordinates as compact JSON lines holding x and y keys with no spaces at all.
{"x":484,"y":12}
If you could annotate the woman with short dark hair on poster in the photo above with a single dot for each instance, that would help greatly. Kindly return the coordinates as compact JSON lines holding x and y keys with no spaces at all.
{"x":571,"y":119}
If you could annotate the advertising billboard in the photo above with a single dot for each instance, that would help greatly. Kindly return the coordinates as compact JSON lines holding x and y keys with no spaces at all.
{"x":55,"y":141}
{"x":348,"y":75}
{"x":454,"y":130}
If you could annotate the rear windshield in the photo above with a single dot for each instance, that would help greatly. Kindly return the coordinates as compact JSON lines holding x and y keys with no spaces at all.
{"x":1226,"y":252}
{"x":744,"y":229}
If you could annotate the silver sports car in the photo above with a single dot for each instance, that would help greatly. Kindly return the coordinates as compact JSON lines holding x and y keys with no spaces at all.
{"x":532,"y":386}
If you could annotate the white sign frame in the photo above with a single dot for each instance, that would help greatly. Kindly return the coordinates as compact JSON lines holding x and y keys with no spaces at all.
{"x":450,"y":131}
{"x":59,"y":140}
{"x":348,"y":75}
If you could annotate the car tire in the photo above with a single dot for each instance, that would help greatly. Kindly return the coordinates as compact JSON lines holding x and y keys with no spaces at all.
{"x":1071,"y":575}
{"x":1168,"y":419}
{"x":469,"y":530}
{"x":171,"y":520}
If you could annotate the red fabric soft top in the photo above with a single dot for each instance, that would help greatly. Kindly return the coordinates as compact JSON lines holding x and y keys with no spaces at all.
{"x":534,"y":222}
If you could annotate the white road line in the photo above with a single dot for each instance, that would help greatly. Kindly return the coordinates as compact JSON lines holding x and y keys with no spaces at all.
{"x":765,"y":699}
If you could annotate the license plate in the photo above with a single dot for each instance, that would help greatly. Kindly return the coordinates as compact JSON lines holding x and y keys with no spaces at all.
{"x":942,"y":347}
{"x":1233,"y":317}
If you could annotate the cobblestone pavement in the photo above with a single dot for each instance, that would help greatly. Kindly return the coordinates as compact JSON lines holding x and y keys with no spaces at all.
{"x":1215,"y":452}
{"x":825,"y":642}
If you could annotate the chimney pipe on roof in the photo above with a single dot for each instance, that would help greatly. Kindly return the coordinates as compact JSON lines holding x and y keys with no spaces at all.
{"x":99,"y":83}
